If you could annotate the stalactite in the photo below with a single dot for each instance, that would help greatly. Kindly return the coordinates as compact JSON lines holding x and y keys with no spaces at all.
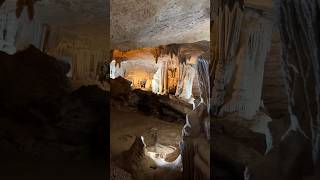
{"x":171,"y":50}
{"x":25,"y":3}
{"x":111,"y":55}
{"x":204,"y":80}
{"x":226,"y":30}
{"x":159,"y":81}
{"x":173,"y":72}
{"x":215,"y":4}
{"x":17,"y":34}
{"x":119,"y":60}
{"x":183,"y":58}
{"x":156,"y":52}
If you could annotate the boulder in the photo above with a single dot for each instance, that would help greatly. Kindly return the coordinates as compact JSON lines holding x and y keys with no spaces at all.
{"x":120,"y":87}
{"x":31,"y":74}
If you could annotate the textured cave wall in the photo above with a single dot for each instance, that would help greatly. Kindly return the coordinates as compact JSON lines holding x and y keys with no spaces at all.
{"x":83,"y":45}
{"x":239,"y":51}
{"x":141,"y":23}
{"x":299,"y":29}
{"x":85,"y":56}
{"x":170,"y":69}
{"x":240,"y":40}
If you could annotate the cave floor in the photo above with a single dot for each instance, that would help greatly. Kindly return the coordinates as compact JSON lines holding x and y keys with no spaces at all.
{"x":127,"y":124}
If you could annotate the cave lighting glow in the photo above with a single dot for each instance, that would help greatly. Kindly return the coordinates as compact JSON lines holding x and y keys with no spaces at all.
{"x":160,"y":159}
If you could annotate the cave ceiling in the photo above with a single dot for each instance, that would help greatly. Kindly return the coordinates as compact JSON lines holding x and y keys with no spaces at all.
{"x":142,"y":23}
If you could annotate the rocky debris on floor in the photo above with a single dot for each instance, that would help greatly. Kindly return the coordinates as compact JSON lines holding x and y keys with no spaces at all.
{"x":40,"y":119}
{"x":69,"y":127}
{"x":145,"y":101}
{"x":237,"y":149}
{"x":137,"y":161}
{"x":239,"y":129}
{"x":118,"y":173}
{"x":120,"y":88}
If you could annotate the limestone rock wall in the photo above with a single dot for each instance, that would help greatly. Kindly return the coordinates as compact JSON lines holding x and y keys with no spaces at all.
{"x":85,"y":58}
{"x":239,"y":54}
{"x":299,"y":29}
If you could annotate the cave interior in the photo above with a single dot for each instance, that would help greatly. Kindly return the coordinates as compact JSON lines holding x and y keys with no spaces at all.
{"x":172,"y":89}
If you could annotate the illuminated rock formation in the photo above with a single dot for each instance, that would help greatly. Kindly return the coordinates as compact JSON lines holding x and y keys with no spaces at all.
{"x":170,"y":69}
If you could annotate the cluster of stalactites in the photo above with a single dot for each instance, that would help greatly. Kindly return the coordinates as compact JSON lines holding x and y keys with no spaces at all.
{"x":22,"y":4}
{"x":172,"y":50}
{"x":117,"y":60}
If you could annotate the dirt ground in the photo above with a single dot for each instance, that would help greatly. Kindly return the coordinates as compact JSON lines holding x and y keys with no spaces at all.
{"x":127,"y":124}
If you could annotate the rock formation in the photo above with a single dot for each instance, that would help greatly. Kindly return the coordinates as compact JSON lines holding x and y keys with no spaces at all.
{"x":299,"y":31}
{"x":25,"y":75}
{"x":170,"y":69}
{"x":279,"y":149}
{"x":41,"y":118}
{"x":239,"y":50}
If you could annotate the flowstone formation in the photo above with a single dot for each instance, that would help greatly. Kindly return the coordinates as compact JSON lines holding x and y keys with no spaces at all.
{"x":281,"y":143}
{"x":241,"y":38}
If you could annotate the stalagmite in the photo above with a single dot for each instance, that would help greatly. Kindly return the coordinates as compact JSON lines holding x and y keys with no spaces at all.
{"x":240,"y":42}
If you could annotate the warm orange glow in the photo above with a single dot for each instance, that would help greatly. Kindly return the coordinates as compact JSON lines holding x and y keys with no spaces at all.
{"x":137,"y":54}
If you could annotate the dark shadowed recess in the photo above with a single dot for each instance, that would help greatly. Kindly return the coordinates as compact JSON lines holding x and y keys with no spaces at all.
{"x":48,"y":131}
